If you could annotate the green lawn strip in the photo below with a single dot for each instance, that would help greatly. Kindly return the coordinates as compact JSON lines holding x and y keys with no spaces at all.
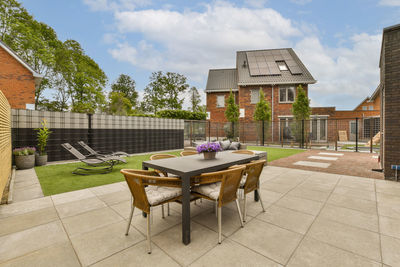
{"x":274,"y":153}
{"x":56,"y":179}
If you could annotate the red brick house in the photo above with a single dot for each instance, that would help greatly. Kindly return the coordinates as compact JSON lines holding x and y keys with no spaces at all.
{"x":277,"y":72}
{"x":18,"y":80}
{"x":327,"y":121}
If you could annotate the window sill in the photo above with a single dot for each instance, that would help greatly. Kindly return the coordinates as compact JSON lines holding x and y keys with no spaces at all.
{"x":286,"y":102}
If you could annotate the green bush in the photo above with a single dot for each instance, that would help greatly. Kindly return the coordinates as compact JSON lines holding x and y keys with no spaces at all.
{"x":181,"y":114}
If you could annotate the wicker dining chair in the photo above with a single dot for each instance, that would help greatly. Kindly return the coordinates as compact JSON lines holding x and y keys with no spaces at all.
{"x":251,"y":182}
{"x":188,"y":153}
{"x":165,"y":174}
{"x":247,"y":152}
{"x":220,"y":187}
{"x":148,"y":190}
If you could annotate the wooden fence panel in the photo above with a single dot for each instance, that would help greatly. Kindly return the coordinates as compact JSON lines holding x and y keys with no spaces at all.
{"x":5,"y":142}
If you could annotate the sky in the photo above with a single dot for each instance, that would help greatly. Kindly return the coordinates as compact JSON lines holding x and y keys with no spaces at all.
{"x":338,"y":41}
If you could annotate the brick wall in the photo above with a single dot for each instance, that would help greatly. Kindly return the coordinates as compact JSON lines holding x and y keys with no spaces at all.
{"x":218,"y":114}
{"x":391,"y":98}
{"x":16,"y":82}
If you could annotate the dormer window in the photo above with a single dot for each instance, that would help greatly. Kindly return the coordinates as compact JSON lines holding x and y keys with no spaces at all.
{"x":282,"y":65}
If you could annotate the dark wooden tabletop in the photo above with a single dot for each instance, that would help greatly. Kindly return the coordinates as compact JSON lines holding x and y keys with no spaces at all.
{"x":196,"y":164}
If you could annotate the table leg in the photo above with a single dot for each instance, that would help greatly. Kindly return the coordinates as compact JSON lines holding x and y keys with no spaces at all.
{"x":185,"y":209}
{"x":144,"y":214}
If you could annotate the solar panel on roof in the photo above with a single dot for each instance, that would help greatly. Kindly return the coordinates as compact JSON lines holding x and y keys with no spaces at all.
{"x":295,"y":70}
{"x":278,"y":57}
{"x":291,"y":63}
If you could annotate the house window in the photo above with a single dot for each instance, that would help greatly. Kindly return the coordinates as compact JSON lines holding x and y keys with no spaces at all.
{"x":282,"y":65}
{"x":371,"y":108}
{"x":286,"y":94}
{"x":220,"y":101}
{"x":254,"y":96}
{"x":364,"y":108}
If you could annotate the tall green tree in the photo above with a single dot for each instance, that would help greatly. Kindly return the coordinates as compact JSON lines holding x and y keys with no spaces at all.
{"x":126,"y":85}
{"x":119,"y":104}
{"x":232,"y":113}
{"x":165,"y":91}
{"x":85,"y":80}
{"x":301,"y":106}
{"x":262,"y":111}
{"x":195,"y":99}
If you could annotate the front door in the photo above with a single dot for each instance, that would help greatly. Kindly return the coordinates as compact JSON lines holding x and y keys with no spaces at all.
{"x":318,"y":130}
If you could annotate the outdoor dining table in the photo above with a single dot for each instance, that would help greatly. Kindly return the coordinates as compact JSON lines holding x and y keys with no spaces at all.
{"x":189,"y":166}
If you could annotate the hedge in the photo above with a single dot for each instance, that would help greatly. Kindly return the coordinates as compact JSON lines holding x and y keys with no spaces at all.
{"x":181,"y":114}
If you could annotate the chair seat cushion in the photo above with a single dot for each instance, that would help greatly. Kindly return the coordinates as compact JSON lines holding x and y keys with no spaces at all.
{"x":158,"y":194}
{"x":209,"y":190}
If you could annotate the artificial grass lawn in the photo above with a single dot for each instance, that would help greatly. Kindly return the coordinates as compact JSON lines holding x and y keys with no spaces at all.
{"x":56,"y":179}
{"x":274,"y":153}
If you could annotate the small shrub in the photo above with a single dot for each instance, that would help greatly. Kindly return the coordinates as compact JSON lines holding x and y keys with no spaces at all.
{"x":24,"y":151}
{"x":181,"y":114}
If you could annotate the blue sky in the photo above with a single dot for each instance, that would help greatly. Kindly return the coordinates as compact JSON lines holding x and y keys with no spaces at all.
{"x":338,"y":41}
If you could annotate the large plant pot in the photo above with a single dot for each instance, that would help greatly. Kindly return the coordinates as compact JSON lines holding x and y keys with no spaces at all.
{"x":25,"y":162}
{"x":40,"y":160}
{"x":209,"y":155}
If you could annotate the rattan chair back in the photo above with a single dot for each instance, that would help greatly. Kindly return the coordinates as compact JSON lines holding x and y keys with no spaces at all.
{"x":188,"y":153}
{"x":138,"y":179}
{"x":247,"y":152}
{"x":230,"y":184}
{"x":253,"y":172}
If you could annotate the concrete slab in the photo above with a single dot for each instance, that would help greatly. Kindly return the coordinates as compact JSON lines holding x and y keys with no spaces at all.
{"x":323,"y":158}
{"x":312,"y":164}
{"x":331,"y":154}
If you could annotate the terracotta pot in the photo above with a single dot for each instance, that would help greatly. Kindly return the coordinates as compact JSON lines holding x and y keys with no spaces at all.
{"x":40,"y":160}
{"x":25,"y":162}
{"x":209,"y":155}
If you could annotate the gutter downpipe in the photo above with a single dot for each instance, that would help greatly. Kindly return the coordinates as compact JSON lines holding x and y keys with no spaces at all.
{"x":272,"y":113}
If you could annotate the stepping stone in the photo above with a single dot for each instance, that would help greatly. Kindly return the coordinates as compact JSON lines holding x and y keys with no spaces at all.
{"x":331,"y":154}
{"x":322,"y":158}
{"x":375,"y":157}
{"x":312,"y":164}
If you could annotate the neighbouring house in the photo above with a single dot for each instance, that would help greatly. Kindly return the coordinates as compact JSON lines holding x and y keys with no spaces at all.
{"x":390,"y":99}
{"x":326,"y":122}
{"x":277,"y":72}
{"x":18,"y":80}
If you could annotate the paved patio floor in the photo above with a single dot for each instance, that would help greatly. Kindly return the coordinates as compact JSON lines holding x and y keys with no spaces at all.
{"x":312,"y":219}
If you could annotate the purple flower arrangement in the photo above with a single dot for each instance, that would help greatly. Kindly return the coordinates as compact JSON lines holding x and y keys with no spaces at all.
{"x":24,"y":151}
{"x":209,"y":147}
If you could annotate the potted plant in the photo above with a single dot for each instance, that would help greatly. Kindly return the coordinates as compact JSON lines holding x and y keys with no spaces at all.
{"x":43,"y":134}
{"x":24,"y":157}
{"x":209,"y":150}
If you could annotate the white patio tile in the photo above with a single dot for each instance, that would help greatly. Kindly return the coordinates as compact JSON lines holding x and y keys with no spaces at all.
{"x":78,"y":207}
{"x":300,"y":204}
{"x":312,"y":164}
{"x":71,"y":196}
{"x":390,"y":250}
{"x":352,"y":202}
{"x":323,"y":158}
{"x":25,"y":206}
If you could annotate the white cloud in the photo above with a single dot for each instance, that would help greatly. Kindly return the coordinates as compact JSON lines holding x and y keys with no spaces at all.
{"x":389,"y":2}
{"x":347,"y":73}
{"x":256,"y":3}
{"x":113,"y":5}
{"x":192,"y":42}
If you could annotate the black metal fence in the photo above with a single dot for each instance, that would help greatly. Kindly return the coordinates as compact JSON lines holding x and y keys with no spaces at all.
{"x":354,"y":134}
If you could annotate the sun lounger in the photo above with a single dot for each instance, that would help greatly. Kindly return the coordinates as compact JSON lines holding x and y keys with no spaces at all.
{"x":100,"y":153}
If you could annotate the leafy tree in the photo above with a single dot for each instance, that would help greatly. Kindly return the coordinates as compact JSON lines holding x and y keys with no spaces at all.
{"x":262,"y":112}
{"x":301,"y":106}
{"x":164,"y":91}
{"x":85,"y":80}
{"x":119,"y":104}
{"x":194,"y":99}
{"x":232,"y":113}
{"x":126,"y":85}
{"x":301,"y":111}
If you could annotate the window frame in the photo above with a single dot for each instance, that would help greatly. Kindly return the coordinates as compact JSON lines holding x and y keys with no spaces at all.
{"x":218,"y":96}
{"x":258,"y":96}
{"x":286,"y":94}
{"x":283,"y":65}
{"x":364,"y":108}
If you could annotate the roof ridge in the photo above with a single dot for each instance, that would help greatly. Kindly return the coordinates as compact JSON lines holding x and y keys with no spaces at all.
{"x":255,"y":50}
{"x":224,"y":69}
